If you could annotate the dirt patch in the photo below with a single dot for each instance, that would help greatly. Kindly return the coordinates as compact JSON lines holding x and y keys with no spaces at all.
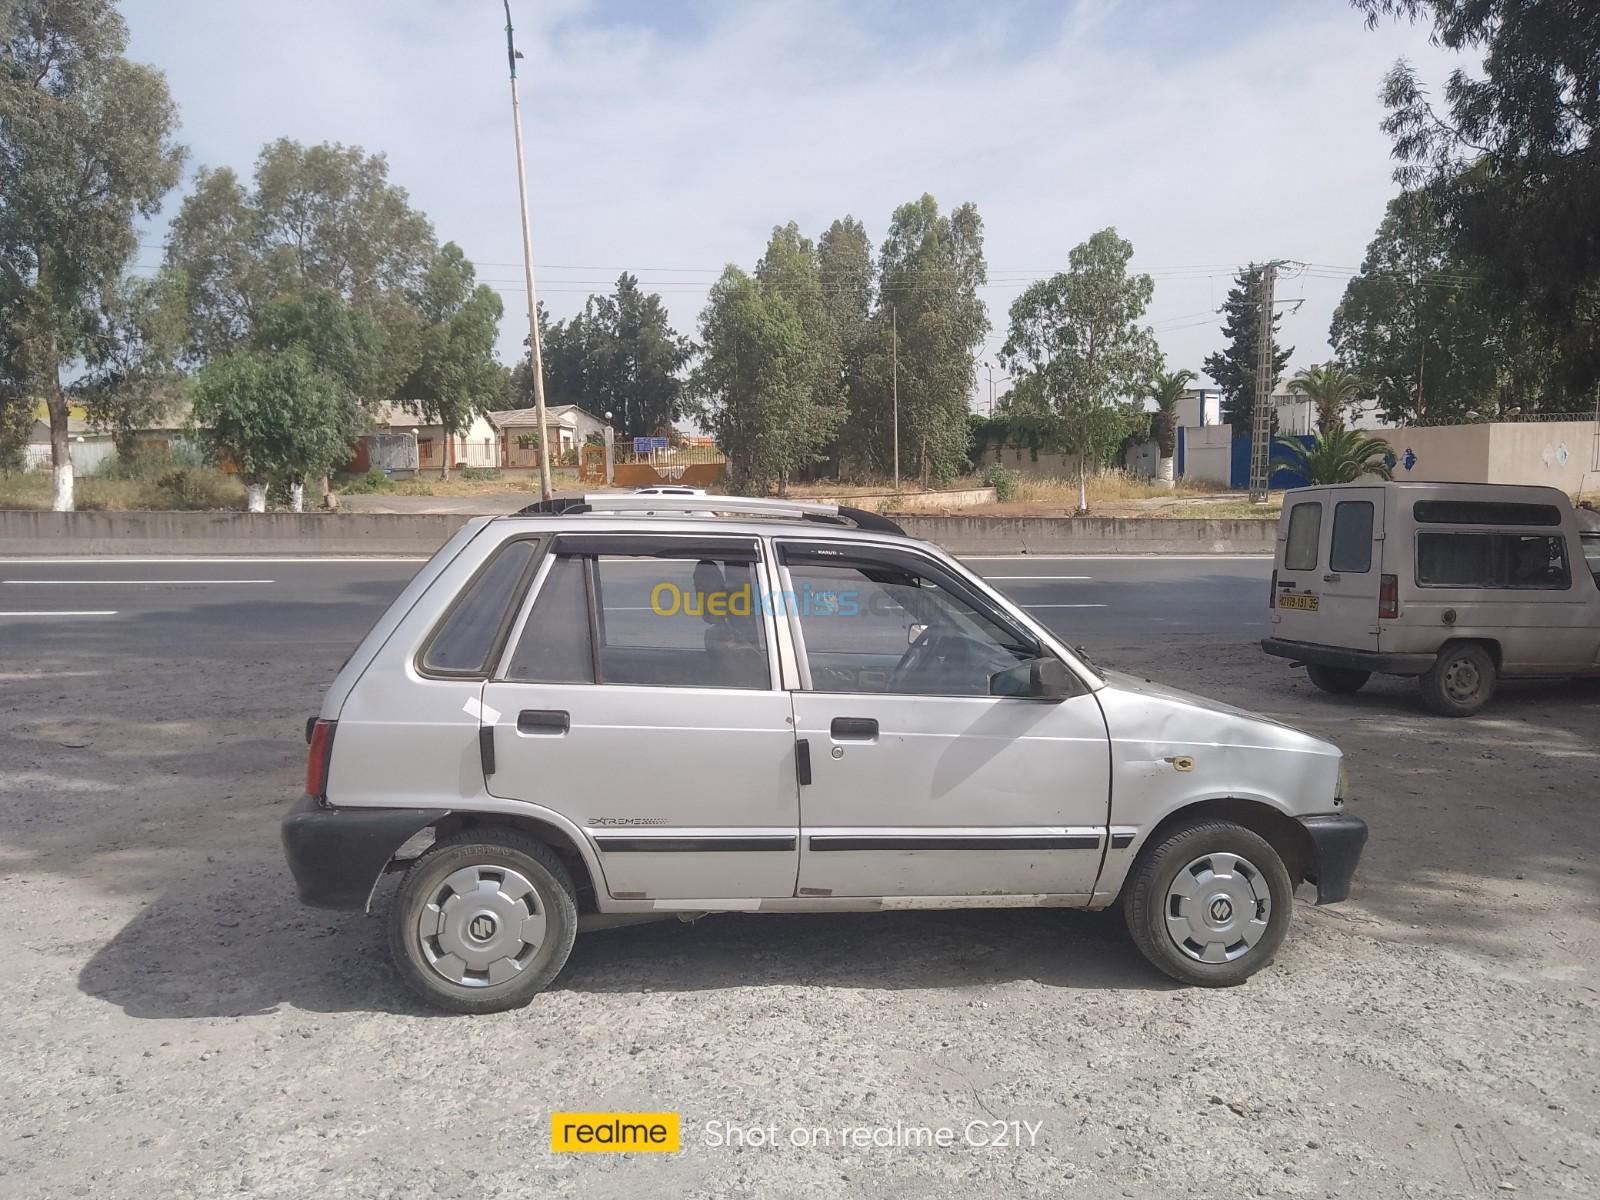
{"x":177,"y":1025}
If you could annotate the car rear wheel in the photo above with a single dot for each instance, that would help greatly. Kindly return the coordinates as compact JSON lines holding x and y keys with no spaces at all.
{"x":1210,"y":903}
{"x":484,"y":921}
{"x":1340,"y":681}
{"x":1460,"y":682}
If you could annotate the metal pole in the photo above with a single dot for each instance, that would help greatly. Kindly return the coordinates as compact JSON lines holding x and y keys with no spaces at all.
{"x":1261,"y":434}
{"x":535,"y":354}
{"x":894,"y":387}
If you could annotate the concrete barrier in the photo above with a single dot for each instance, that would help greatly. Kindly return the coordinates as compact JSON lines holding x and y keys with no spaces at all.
{"x":1091,"y":535}
{"x":153,"y":534}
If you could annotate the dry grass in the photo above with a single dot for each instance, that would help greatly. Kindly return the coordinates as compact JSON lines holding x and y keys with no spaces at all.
{"x":91,"y":493}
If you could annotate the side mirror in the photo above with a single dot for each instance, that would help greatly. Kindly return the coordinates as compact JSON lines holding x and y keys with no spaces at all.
{"x":1035,"y":679}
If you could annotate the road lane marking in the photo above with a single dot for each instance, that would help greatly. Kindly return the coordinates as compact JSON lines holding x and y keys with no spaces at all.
{"x":1008,"y":578}
{"x":1142,"y":556}
{"x":76,"y":582}
{"x":95,"y":612}
{"x":1063,"y":606}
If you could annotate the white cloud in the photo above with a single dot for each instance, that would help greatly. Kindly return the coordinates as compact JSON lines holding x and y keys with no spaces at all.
{"x":1208,"y":134}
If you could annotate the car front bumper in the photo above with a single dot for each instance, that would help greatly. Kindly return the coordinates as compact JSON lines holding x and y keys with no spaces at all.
{"x":1353,"y":660}
{"x":1336,"y":843}
{"x":337,"y":854}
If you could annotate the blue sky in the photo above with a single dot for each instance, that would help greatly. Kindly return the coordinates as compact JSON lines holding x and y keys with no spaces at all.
{"x":668,"y":138}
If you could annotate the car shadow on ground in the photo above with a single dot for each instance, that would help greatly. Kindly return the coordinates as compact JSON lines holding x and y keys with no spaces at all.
{"x":194,"y":955}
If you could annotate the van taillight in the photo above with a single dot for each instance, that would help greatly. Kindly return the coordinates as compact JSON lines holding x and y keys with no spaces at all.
{"x":1388,"y":597}
{"x":320,"y":756}
{"x":1272,"y":593}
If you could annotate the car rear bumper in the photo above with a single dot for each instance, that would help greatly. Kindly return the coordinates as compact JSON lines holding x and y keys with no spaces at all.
{"x":337,"y":854}
{"x":1336,"y":843}
{"x":1354,"y":660}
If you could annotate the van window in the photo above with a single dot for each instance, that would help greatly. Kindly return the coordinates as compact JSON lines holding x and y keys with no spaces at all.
{"x":462,"y":643}
{"x":1305,"y":528}
{"x":1492,"y":560}
{"x":1484,"y":512}
{"x":1352,"y":537}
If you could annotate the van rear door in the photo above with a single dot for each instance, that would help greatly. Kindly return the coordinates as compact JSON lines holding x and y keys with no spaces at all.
{"x":1297,"y":576}
{"x":1329,"y":567}
{"x":1353,"y":567}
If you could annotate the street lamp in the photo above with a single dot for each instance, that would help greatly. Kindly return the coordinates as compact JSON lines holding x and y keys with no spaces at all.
{"x":989,"y":366}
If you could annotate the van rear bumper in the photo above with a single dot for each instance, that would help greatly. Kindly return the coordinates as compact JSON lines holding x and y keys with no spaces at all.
{"x":1354,"y":660}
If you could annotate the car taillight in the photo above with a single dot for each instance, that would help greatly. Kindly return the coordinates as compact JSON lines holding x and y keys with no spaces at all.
{"x":1272,"y":593}
{"x":320,"y":756}
{"x":1388,"y":597}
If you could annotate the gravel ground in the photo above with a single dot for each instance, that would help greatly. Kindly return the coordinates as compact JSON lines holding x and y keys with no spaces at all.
{"x":176,"y":1025}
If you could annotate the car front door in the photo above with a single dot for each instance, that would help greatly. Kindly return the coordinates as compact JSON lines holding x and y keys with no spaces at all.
{"x":921,"y":782}
{"x":639,"y":697}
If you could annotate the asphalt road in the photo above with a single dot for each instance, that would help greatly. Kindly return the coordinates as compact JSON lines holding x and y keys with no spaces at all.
{"x":200,"y":606}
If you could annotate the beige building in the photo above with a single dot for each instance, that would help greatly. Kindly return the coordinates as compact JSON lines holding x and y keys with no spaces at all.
{"x":1559,"y":454}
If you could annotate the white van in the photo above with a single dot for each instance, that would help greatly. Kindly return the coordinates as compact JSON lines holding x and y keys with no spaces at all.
{"x":1458,"y":584}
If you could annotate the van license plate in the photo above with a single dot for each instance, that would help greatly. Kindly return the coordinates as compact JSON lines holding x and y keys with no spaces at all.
{"x":1301,"y":602}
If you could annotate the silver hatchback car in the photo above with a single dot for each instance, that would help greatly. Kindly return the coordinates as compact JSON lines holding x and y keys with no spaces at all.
{"x":636,"y":706}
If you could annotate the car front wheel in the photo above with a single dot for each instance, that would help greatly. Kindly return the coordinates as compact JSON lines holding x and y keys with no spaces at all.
{"x":1209,"y":903}
{"x":484,"y":921}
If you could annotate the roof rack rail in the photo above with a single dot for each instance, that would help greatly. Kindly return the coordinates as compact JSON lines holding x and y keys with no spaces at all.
{"x":757,"y":506}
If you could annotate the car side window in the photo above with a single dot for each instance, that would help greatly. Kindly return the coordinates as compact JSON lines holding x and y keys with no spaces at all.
{"x":1305,"y":530}
{"x":557,"y":643}
{"x":680,"y":622}
{"x":889,"y":628}
{"x":1352,"y":537}
{"x":462,"y":643}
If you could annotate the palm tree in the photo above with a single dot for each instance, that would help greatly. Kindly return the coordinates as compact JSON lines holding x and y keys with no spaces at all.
{"x":1166,"y":388}
{"x":1336,"y":455}
{"x":1331,"y":387}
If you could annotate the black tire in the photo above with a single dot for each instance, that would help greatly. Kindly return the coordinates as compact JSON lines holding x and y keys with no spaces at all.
{"x":1460,"y":682}
{"x":536,"y":966}
{"x":1149,"y":885}
{"x":1339,"y":681}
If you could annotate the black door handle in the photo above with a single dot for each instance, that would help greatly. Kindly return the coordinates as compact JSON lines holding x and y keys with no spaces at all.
{"x":854,"y":729}
{"x":544,"y":720}
{"x":802,"y":760}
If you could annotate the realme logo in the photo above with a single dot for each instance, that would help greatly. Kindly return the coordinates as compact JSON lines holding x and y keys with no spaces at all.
{"x":614,"y":1132}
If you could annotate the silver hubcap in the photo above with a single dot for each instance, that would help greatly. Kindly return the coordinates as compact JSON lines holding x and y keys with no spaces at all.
{"x":1462,"y":680}
{"x":1218,"y":908}
{"x":481,"y":926}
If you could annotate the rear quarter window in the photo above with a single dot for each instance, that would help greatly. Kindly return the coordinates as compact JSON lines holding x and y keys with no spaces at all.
{"x":1492,"y":560}
{"x":1305,"y":530}
{"x":463,"y":641}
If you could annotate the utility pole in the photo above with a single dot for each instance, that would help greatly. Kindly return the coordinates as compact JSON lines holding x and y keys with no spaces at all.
{"x":535,"y":354}
{"x":1261,"y":436}
{"x":894,"y":386}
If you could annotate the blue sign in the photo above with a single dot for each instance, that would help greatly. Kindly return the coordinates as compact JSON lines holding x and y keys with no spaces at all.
{"x":642,"y":445}
{"x":1410,"y":459}
{"x":659,"y":443}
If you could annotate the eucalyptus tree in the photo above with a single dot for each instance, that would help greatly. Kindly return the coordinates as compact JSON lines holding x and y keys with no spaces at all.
{"x":86,"y":147}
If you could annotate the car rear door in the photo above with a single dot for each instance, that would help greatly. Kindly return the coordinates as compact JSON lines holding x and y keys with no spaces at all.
{"x":638,"y":696}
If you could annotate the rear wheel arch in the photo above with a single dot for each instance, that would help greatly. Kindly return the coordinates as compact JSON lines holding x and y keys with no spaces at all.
{"x":552,"y":835}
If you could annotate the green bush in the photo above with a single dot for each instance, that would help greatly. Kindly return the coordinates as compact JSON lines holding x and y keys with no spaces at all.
{"x":360,"y":485}
{"x":478,"y":474}
{"x":1003,"y":480}
{"x":191,"y":488}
